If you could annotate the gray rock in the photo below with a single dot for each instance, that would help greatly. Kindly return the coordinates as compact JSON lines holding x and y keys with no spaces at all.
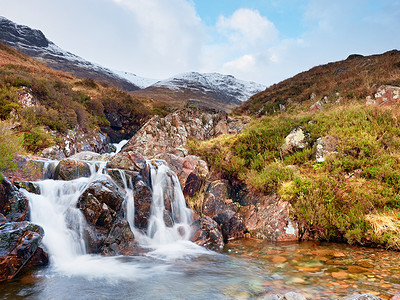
{"x":53,"y":153}
{"x":364,"y":297}
{"x":297,"y":139}
{"x":325,"y":146}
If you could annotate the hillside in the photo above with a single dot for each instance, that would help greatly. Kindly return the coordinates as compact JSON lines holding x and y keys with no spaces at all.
{"x":354,"y":78}
{"x":48,"y":107}
{"x":337,"y":163}
{"x":222,"y":92}
{"x":34,"y":43}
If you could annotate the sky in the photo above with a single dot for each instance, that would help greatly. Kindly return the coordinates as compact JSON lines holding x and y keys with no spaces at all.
{"x":265,"y":41}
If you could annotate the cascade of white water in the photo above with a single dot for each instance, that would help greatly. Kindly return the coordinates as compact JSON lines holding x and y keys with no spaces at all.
{"x":129,"y":202}
{"x":166,"y":187}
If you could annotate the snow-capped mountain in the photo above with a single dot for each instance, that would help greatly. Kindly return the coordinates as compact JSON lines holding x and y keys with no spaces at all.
{"x":212,"y":90}
{"x":235,"y":89}
{"x":34,"y":43}
{"x":141,"y":82}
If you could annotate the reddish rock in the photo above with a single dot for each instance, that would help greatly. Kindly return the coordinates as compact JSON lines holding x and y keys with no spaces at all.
{"x":143,"y":198}
{"x":217,"y":199}
{"x":69,"y":169}
{"x":18,"y":243}
{"x":207,"y":233}
{"x":387,"y":95}
{"x":29,"y":168}
{"x":269,"y":219}
{"x":184,"y":167}
{"x":2,"y":219}
{"x":132,"y":161}
{"x":166,"y":135}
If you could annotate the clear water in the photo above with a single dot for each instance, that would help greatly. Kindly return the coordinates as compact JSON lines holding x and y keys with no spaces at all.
{"x":174,"y":268}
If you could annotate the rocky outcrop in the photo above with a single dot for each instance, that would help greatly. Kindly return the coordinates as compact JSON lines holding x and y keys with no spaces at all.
{"x":287,"y":296}
{"x":169,"y":134}
{"x":387,"y":95}
{"x":19,"y":242}
{"x":53,"y":152}
{"x":101,"y":204}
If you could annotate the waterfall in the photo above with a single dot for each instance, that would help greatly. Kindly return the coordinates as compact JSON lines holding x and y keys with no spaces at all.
{"x":55,"y":209}
{"x":166,"y":187}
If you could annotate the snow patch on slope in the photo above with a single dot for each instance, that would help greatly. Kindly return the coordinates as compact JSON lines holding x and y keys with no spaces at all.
{"x":212,"y":82}
{"x":141,"y":82}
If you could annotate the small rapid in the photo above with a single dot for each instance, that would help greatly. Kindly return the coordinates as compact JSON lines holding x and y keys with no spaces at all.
{"x":167,"y":235}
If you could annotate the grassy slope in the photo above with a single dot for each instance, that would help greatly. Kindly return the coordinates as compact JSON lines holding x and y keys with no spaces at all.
{"x":63,"y":102}
{"x":354,"y":195}
{"x":353,"y":78}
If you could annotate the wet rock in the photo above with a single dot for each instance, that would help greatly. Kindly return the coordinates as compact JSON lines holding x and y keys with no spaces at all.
{"x":120,"y":239}
{"x":207,"y":233}
{"x":39,"y":259}
{"x":287,"y":296}
{"x":132,"y":161}
{"x":18,"y":243}
{"x":13,"y":203}
{"x":54,"y":153}
{"x":68,"y":169}
{"x":340,"y":275}
{"x":269,"y":219}
{"x":231,"y":224}
{"x":297,"y":139}
{"x":143,"y":198}
{"x":120,"y":175}
{"x":76,"y":141}
{"x":363,"y":297}
{"x":101,"y":204}
{"x":85,"y":155}
{"x":2,"y":219}
{"x":186,"y":166}
{"x":29,"y":186}
{"x":110,"y":148}
{"x":324,"y":147}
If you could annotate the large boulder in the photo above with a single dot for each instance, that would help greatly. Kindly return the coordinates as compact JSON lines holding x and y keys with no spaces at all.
{"x":18,"y":243}
{"x":132,"y":161}
{"x":101,"y":204}
{"x":207,"y":233}
{"x":143,"y":199}
{"x":53,"y":152}
{"x":217,"y":198}
{"x":297,"y":139}
{"x":69,"y":169}
{"x":13,"y":204}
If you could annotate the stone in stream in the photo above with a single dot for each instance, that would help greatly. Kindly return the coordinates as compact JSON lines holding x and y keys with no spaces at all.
{"x":13,"y":204}
{"x":18,"y":243}
{"x":69,"y":169}
{"x":207,"y":233}
{"x":108,"y":231}
{"x":363,"y":297}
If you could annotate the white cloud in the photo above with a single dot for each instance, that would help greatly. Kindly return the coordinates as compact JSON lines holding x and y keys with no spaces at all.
{"x":247,"y":27}
{"x":169,"y":34}
{"x":243,"y":63}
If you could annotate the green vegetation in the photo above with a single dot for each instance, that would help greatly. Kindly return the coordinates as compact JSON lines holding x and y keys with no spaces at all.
{"x":10,"y":144}
{"x":334,"y":200}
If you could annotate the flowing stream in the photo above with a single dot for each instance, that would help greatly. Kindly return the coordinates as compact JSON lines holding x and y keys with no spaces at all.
{"x":174,"y":268}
